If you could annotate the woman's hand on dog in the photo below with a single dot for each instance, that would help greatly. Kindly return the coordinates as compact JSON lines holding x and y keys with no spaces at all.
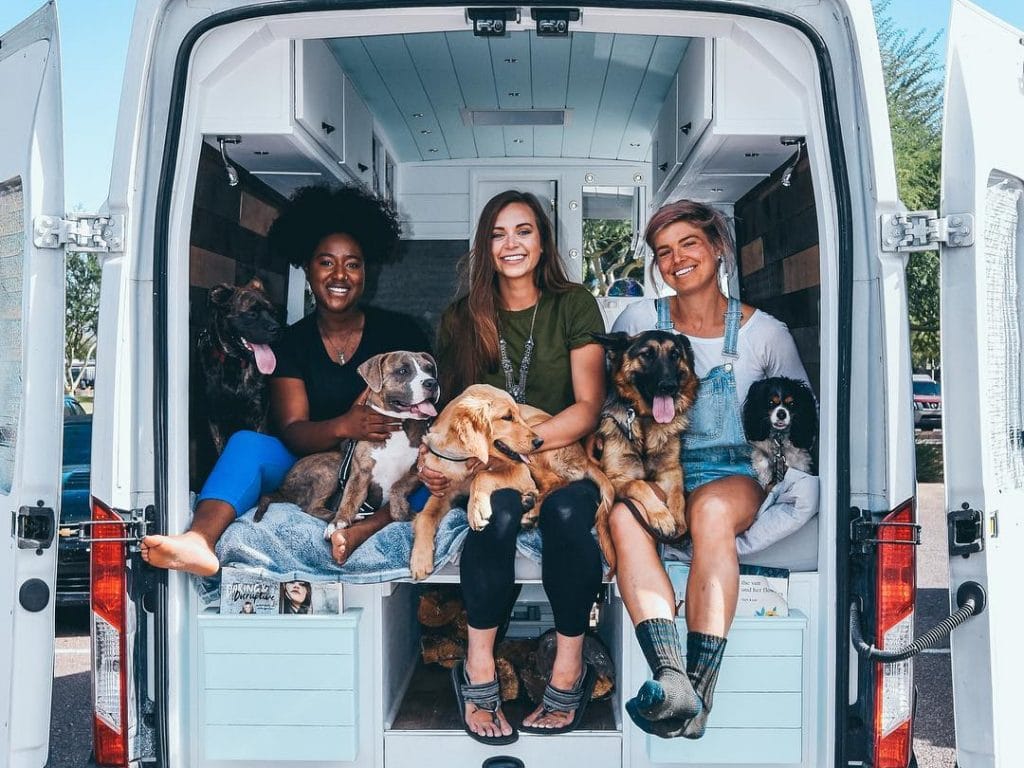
{"x":361,"y":422}
{"x":436,"y":482}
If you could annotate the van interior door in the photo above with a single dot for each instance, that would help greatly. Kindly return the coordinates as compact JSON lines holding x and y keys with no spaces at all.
{"x":31,"y":381}
{"x":982,"y":294}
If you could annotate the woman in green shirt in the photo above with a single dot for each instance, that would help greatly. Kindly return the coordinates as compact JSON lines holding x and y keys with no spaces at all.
{"x":522,"y":326}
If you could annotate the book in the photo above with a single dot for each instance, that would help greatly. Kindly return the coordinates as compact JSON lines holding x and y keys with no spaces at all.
{"x":763,"y":591}
{"x":305,"y":597}
{"x":243,"y":592}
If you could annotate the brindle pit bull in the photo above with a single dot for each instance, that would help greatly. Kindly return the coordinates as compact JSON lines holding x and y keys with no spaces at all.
{"x":235,"y":358}
{"x":402,"y":385}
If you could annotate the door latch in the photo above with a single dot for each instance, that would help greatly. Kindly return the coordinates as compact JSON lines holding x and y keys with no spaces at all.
{"x":34,"y":527}
{"x":966,"y":531}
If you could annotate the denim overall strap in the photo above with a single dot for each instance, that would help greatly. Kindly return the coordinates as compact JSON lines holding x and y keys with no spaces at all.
{"x":733,"y":315}
{"x":715,"y":446}
{"x":664,"y":315}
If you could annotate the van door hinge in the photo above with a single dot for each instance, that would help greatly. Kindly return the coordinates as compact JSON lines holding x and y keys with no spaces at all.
{"x":914,"y":231}
{"x":966,"y":531}
{"x":84,"y":232}
{"x":33,"y":527}
{"x":135,"y":525}
{"x":866,"y":532}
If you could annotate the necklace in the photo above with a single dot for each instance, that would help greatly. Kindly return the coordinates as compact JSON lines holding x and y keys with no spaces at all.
{"x":514,"y":388}
{"x":339,"y":351}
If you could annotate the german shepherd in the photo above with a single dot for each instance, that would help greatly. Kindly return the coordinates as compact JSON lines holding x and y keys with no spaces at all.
{"x":651,"y":389}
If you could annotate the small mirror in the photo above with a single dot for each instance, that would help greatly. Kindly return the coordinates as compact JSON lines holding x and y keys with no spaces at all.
{"x":613,"y":264}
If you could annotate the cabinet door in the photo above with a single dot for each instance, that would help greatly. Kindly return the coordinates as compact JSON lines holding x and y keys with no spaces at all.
{"x":663,"y":148}
{"x":320,"y":95}
{"x":693,"y":111}
{"x":358,"y":155}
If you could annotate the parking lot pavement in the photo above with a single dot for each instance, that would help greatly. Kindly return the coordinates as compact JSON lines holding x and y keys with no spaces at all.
{"x":934,"y":741}
{"x":71,"y":713}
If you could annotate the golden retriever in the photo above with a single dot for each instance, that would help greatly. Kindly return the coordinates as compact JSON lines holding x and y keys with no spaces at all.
{"x":486,"y":424}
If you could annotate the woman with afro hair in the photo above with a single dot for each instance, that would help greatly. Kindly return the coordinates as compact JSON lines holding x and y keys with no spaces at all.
{"x":338,"y":237}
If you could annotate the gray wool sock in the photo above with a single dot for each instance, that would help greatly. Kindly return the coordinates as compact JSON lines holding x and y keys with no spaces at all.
{"x":703,"y":662}
{"x":670,"y":694}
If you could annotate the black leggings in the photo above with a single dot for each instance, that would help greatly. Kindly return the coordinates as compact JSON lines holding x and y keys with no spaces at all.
{"x":571,"y":568}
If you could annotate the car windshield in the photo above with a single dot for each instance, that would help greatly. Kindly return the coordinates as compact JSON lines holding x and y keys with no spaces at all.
{"x":77,"y":442}
{"x":928,"y":388}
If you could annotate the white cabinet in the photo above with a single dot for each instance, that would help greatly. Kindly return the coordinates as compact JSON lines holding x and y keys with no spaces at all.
{"x":357,"y":157}
{"x":320,"y":95}
{"x":730,"y":106}
{"x":693,"y":96}
{"x":299,"y":117}
{"x":663,"y":148}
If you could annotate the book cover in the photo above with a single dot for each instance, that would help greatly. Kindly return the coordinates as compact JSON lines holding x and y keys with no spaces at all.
{"x":243,"y":592}
{"x":763,"y":591}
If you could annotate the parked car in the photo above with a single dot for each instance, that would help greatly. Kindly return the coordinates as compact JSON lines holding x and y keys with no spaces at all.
{"x":72,"y":407}
{"x":927,"y":402}
{"x":73,"y":555}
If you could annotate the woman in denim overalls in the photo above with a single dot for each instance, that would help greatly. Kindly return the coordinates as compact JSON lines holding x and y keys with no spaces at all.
{"x":692,"y":246}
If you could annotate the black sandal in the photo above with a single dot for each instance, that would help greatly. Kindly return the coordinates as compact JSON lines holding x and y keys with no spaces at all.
{"x":559,"y":700}
{"x":483,"y":696}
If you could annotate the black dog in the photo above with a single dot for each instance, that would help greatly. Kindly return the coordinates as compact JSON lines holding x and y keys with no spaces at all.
{"x":235,"y":358}
{"x":781,"y":423}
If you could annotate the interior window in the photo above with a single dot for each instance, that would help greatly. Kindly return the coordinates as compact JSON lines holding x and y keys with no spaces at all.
{"x":613,"y":264}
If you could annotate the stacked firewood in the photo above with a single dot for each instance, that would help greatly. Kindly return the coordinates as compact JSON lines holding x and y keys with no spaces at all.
{"x":523,"y":664}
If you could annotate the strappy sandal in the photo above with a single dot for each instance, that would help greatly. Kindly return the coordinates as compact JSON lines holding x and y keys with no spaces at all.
{"x":558,"y":700}
{"x":485,"y":697}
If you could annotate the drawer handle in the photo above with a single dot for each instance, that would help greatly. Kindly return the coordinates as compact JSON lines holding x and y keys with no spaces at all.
{"x":686,"y":128}
{"x":503,"y":761}
{"x":328,"y":128}
{"x":662,"y":166}
{"x":362,"y":168}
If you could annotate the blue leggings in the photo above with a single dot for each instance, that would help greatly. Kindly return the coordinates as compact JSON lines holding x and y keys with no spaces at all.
{"x":253,"y":464}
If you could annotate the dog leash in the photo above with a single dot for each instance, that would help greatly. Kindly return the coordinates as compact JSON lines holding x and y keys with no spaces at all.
{"x":656,"y":535}
{"x":779,"y":465}
{"x":344,"y":469}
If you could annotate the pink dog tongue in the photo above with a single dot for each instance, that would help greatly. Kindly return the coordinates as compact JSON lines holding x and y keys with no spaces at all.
{"x":663,"y":409}
{"x":426,"y":408}
{"x":265,"y":359}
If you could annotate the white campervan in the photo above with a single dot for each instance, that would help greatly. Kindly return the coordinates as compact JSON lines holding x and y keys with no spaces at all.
{"x":772,"y":109}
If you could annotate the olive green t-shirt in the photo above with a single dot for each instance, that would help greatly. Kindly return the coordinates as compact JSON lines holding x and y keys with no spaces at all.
{"x":564,"y":323}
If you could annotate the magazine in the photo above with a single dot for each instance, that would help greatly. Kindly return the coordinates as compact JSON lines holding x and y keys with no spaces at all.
{"x":305,"y":598}
{"x":243,"y":592}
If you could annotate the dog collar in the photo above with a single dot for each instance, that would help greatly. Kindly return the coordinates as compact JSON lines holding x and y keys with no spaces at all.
{"x":447,"y":458}
{"x":627,"y":428}
{"x":779,"y":465}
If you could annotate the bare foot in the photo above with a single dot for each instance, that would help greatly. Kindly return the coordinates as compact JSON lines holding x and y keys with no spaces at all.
{"x":188,"y":552}
{"x":345,"y":541}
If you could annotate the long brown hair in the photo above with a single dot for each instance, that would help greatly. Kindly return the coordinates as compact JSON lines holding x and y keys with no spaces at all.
{"x":468,"y":336}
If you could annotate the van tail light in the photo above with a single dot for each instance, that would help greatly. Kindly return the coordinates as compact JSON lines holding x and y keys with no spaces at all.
{"x":109,"y":653}
{"x":895,"y":592}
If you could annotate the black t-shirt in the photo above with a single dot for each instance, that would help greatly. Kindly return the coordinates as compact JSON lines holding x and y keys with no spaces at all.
{"x":333,"y":388}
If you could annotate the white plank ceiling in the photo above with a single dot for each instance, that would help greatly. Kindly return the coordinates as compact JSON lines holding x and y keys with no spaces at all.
{"x":418,"y":86}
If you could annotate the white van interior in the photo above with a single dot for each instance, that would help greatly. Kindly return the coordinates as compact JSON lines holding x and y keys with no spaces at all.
{"x":610,"y":116}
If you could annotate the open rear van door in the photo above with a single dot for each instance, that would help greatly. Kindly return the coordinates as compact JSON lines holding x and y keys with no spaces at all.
{"x":31,"y":381}
{"x":982,"y":292}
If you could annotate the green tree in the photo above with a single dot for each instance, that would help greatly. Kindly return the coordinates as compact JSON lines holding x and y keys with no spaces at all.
{"x":607,"y":255}
{"x":81,"y":311}
{"x":914,"y":93}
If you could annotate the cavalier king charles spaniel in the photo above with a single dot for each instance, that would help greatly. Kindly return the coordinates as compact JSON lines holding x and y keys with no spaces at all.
{"x":781,"y":422}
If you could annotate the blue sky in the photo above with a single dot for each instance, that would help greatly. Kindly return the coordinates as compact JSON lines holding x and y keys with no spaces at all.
{"x":94,"y":40}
